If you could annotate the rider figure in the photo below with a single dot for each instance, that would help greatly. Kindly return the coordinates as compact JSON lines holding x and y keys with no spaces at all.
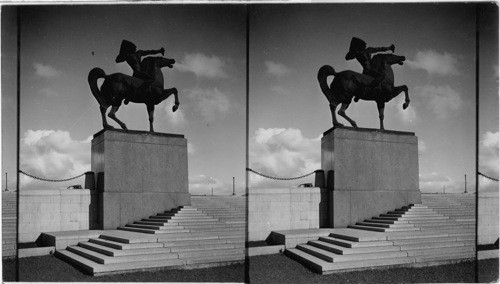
{"x":363,"y":54}
{"x":130,"y":54}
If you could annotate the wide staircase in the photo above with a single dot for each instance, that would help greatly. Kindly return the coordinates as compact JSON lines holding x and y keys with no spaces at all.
{"x":212,"y":233}
{"x":9,"y":223}
{"x":440,"y":230}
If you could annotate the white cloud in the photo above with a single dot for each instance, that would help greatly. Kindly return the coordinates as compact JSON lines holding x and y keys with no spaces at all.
{"x":435,"y":63}
{"x":422,"y":147}
{"x":281,"y":152}
{"x":280,"y":90}
{"x":277,"y":69}
{"x":52,"y":154}
{"x":176,"y":118}
{"x":203,"y":66}
{"x":441,"y":99}
{"x":191,"y":148}
{"x":210,"y":103}
{"x":48,"y":92}
{"x":203,"y":185}
{"x":408,"y":115}
{"x":45,"y":71}
{"x":495,"y":71}
{"x":488,"y":160}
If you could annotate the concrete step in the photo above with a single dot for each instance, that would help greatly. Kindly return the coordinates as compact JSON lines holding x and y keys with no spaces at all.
{"x":382,"y":225}
{"x":343,"y":250}
{"x":378,"y":229}
{"x":150,"y":231}
{"x":332,"y":257}
{"x":202,"y":242}
{"x":353,"y":244}
{"x":322,"y":266}
{"x":104,"y":259}
{"x":94,"y":268}
{"x":433,"y":240}
{"x":102,"y":249}
{"x":125,"y":246}
{"x":156,"y":222}
{"x":205,"y":253}
{"x":440,"y":251}
{"x":447,"y":256}
{"x":155,"y":227}
{"x":201,"y":236}
{"x":420,"y":213}
{"x":177,"y":220}
{"x":413,"y":218}
{"x":427,"y":245}
{"x":192,"y":248}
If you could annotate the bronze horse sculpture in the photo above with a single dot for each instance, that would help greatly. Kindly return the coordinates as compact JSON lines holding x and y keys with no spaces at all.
{"x":347,"y":84}
{"x":117,"y":87}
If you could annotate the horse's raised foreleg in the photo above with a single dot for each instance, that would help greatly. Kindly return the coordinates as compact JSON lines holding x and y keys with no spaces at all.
{"x":333,"y":106}
{"x":112,"y":115}
{"x":342,"y":113}
{"x":407,"y":97}
{"x":173,"y":91}
{"x":151,"y":114}
{"x":105,"y":124}
{"x":380,"y":107}
{"x":397,"y":90}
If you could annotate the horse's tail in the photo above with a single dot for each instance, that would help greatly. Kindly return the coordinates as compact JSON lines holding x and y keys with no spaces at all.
{"x":323,"y":73}
{"x":94,"y":75}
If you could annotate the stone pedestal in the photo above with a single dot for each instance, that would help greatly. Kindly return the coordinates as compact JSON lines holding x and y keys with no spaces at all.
{"x":138,"y":174}
{"x":374,"y":171}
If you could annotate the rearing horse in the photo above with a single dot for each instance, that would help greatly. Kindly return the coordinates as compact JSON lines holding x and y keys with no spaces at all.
{"x":117,"y":87}
{"x":348,"y":84}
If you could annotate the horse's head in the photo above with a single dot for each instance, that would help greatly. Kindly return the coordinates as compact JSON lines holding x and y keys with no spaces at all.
{"x":394,"y":59}
{"x":170,"y":62}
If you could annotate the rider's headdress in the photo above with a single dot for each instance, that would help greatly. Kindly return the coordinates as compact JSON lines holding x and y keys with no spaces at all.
{"x":127,"y":47}
{"x":357,"y":44}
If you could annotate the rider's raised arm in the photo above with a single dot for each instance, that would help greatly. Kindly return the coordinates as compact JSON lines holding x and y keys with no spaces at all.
{"x":150,"y":52}
{"x":379,"y":49}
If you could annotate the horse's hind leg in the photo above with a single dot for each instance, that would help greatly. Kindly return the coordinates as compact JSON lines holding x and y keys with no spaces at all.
{"x":112,"y":115}
{"x":342,"y":113}
{"x":381,"y":107}
{"x":333,"y":106}
{"x":151,"y":114}
{"x":105,"y":124}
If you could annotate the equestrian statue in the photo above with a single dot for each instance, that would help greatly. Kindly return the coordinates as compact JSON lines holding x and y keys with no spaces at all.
{"x":144,"y":86}
{"x":376,"y":83}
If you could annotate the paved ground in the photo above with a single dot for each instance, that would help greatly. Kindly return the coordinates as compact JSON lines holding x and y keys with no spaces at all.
{"x":52,"y":269}
{"x":278,"y":268}
{"x":262,"y":269}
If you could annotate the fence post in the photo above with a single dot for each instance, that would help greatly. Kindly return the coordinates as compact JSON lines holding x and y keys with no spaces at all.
{"x":319,"y":180}
{"x":90,"y":180}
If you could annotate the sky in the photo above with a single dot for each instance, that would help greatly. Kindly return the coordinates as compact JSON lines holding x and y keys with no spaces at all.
{"x":288,"y":112}
{"x":59,"y":115}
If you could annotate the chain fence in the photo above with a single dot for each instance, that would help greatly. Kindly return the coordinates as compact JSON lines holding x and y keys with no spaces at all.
{"x":481,"y":174}
{"x":280,"y":178}
{"x":50,"y":180}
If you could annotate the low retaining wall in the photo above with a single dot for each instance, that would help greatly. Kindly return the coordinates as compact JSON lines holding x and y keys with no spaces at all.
{"x":488,"y":218}
{"x":271,"y":209}
{"x":55,"y":210}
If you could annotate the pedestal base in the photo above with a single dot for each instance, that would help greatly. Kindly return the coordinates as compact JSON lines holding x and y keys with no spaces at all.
{"x":374,"y":172}
{"x":138,"y":174}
